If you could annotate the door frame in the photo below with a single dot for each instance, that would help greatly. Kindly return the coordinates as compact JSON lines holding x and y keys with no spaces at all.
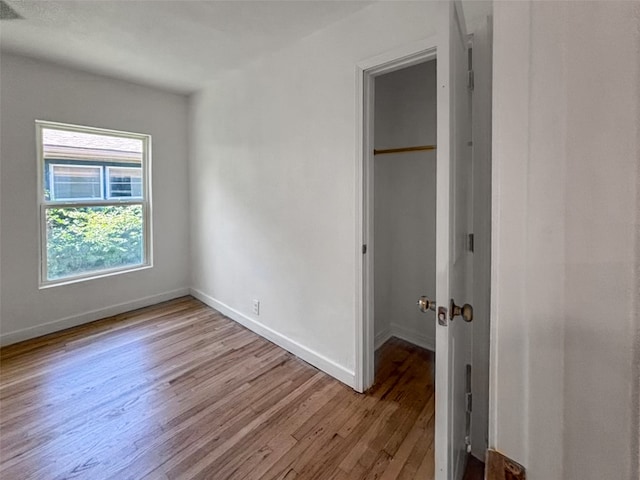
{"x":366,"y":71}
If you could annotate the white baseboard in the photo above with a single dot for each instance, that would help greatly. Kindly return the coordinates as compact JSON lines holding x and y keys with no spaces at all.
{"x":417,"y":338}
{"x":406,"y":334}
{"x":316,"y":359}
{"x":75,"y":320}
{"x":381,"y":338}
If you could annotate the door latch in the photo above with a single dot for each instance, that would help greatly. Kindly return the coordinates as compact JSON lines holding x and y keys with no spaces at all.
{"x":442,"y":316}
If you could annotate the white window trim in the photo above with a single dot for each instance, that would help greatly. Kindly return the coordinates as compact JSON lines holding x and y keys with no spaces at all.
{"x":108,"y":181}
{"x":88,"y":199}
{"x":43,"y":205}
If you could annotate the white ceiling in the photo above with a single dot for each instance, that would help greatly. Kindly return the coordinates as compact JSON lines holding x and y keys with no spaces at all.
{"x":172,"y":44}
{"x":178,"y":45}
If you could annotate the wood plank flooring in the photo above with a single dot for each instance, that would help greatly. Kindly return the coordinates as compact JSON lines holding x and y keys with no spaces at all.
{"x":475,"y":469}
{"x":178,"y":391}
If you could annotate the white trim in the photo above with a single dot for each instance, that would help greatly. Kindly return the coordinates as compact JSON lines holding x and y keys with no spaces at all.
{"x":413,"y":336}
{"x":504,"y":169}
{"x":408,"y":335}
{"x":316,"y":359}
{"x":94,"y":274}
{"x":42,"y":227}
{"x":401,"y":57}
{"x":363,"y":315}
{"x":90,"y":316}
{"x":445,"y":350}
{"x":95,"y":203}
{"x":382,"y":337}
{"x":70,"y":127}
{"x":366,"y":70}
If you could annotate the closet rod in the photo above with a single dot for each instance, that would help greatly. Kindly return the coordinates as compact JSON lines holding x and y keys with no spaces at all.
{"x":404,"y":149}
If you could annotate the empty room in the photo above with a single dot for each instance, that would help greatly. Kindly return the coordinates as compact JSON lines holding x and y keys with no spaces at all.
{"x":319,"y":239}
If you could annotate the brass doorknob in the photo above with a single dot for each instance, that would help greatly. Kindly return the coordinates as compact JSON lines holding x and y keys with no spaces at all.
{"x":424,"y":304}
{"x":465,"y":311}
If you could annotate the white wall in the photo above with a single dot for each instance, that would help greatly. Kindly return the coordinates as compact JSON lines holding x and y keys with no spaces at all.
{"x":601,"y":283}
{"x":33,"y":90}
{"x":273,"y":179}
{"x":565,"y":147}
{"x":405,"y":204}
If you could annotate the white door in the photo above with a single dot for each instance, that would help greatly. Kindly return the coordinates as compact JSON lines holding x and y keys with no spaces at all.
{"x":453,"y":335}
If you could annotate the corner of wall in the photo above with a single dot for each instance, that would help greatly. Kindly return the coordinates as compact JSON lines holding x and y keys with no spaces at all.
{"x":86,"y":317}
{"x":316,"y":359}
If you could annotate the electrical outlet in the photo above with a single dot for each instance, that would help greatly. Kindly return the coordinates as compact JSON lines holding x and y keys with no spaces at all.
{"x":256,"y":306}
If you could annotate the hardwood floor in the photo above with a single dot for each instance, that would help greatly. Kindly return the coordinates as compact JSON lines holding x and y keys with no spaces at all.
{"x":475,"y":469}
{"x":179,"y":391}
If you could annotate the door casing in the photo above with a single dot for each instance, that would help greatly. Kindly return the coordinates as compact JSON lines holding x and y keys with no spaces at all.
{"x":366,"y":72}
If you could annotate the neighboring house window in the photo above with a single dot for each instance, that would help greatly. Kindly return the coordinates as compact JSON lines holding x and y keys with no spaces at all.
{"x":95,"y":202}
{"x":75,"y":182}
{"x":125,"y":182}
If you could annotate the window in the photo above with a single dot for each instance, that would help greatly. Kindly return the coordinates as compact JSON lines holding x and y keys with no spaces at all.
{"x":125,"y":182}
{"x":75,"y":182}
{"x":94,"y":202}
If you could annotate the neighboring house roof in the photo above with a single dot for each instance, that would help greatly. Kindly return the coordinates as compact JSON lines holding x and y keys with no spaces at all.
{"x":80,"y":146}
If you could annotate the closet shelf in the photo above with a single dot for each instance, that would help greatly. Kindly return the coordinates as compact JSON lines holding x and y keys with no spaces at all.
{"x":404,"y":149}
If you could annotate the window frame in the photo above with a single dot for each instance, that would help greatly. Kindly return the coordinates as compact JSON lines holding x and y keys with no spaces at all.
{"x":52,"y":167}
{"x":107,"y":181}
{"x":43,"y":204}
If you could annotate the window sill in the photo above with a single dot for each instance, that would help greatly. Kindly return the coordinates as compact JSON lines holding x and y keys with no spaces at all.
{"x":92,"y":276}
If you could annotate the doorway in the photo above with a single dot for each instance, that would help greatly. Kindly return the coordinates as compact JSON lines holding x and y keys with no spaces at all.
{"x":404,"y":210}
{"x":404,"y":232}
{"x":394,"y":185}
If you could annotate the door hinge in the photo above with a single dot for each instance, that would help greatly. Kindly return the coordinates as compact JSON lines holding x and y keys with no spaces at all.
{"x":470,"y":80}
{"x":364,"y":249}
{"x":470,"y":242}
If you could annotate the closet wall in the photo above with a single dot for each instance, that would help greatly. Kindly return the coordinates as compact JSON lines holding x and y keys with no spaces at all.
{"x":405,"y":204}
